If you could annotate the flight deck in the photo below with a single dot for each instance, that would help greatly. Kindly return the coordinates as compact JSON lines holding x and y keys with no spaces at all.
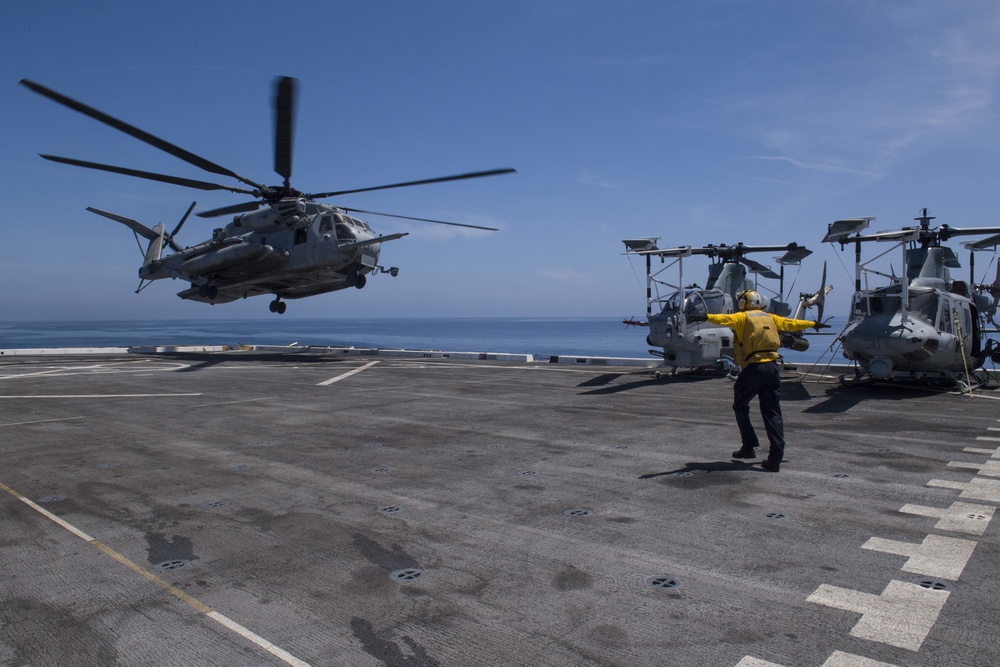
{"x":249,"y":507}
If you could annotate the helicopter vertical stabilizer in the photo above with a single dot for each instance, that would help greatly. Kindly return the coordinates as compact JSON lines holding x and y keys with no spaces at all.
{"x":155,"y":246}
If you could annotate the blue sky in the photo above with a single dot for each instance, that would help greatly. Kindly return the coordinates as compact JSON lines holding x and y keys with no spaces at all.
{"x":725,"y":121}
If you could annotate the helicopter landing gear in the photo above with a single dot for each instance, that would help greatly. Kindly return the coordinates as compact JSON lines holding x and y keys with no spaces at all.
{"x":278,"y":306}
{"x":208,"y":291}
{"x":360,"y":281}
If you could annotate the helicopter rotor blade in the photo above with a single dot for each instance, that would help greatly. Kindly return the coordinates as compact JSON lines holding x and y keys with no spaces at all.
{"x":284,"y":121}
{"x":759,"y":268}
{"x":442,"y":179}
{"x":171,"y":235}
{"x":164,"y":178}
{"x":245,"y":207}
{"x":406,"y":217}
{"x":133,"y":131}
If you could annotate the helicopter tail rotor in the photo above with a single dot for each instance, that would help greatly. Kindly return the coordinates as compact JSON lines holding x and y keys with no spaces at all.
{"x":995,"y":293}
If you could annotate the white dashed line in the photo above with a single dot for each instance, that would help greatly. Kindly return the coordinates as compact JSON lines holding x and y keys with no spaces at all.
{"x":346,"y":375}
{"x":247,"y":634}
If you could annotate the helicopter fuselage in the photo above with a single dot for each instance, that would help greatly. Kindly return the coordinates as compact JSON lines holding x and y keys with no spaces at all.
{"x":316,"y":248}
{"x":938,"y":333}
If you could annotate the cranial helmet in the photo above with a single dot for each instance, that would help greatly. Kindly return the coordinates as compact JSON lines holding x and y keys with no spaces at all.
{"x":749,"y":300}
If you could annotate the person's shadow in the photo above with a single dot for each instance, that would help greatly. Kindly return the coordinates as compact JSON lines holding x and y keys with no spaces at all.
{"x":708,"y":467}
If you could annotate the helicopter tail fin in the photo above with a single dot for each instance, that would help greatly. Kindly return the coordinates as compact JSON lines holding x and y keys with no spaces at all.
{"x":155,"y":247}
{"x":818,"y":300}
{"x":995,"y":293}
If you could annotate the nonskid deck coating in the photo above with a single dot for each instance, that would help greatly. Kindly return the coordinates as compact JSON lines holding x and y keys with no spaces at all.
{"x":242,"y":508}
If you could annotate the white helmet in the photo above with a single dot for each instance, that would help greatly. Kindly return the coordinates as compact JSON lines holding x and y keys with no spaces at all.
{"x":749,"y":300}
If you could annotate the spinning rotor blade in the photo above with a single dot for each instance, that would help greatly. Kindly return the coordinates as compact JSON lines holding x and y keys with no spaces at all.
{"x":175,"y":180}
{"x":245,"y":207}
{"x":132,"y":131}
{"x":442,"y":179}
{"x":406,"y":217}
{"x":170,"y":237}
{"x":284,"y":121}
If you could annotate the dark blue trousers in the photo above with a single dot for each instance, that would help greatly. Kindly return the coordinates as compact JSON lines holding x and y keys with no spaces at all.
{"x":763,"y":381}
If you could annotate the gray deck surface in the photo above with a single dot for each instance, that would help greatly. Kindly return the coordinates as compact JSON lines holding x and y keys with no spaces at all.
{"x":229,"y":509}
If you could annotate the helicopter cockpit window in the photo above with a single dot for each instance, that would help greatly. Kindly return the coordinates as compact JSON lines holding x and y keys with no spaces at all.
{"x":881,"y":304}
{"x":345,"y":233}
{"x":924,"y":306}
{"x":326,"y":224}
{"x":715,"y":302}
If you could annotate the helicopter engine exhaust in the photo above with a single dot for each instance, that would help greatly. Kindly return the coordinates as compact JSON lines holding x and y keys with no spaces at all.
{"x":286,"y":213}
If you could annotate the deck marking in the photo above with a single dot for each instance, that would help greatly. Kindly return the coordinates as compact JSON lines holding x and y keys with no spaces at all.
{"x":936,"y":556}
{"x":836,"y":659}
{"x":43,"y":421}
{"x":994,"y":453}
{"x":841,"y":659}
{"x":988,"y":469}
{"x":901,"y":616}
{"x":207,"y":611}
{"x":977,"y":489}
{"x":102,"y":395}
{"x":346,"y":375}
{"x":959,"y":518}
{"x":988,"y":438}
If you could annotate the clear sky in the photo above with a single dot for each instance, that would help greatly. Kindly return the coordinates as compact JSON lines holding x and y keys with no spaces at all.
{"x":721,"y":121}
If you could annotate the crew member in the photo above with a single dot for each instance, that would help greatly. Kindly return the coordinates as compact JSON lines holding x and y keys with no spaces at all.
{"x":756,"y":346}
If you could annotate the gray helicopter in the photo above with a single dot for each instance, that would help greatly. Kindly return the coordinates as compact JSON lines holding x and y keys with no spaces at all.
{"x":700,"y":345}
{"x":283,"y":243}
{"x":924,"y":324}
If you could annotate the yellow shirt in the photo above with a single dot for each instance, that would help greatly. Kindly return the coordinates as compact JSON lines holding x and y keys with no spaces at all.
{"x":756,"y":332}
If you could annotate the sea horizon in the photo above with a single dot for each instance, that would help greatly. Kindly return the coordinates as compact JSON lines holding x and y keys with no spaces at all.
{"x":539,"y":335}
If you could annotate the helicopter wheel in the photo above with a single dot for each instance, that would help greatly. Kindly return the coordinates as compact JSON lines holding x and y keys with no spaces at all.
{"x":851,"y":381}
{"x":361,"y":281}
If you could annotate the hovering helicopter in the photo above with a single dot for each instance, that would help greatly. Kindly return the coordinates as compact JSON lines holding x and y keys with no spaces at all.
{"x":699,"y":345}
{"x":923,"y":324}
{"x":283,"y":243}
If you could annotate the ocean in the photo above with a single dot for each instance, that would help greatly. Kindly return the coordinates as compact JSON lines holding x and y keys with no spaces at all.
{"x":584,"y":336}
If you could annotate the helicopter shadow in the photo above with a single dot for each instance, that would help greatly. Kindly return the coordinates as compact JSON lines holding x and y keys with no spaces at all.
{"x":605,"y":386}
{"x":842,"y":399}
{"x":707,"y":467}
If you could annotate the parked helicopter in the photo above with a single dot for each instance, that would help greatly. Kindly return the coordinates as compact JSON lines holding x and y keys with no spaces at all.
{"x":699,"y":345}
{"x":282,"y":243}
{"x":924,"y":324}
